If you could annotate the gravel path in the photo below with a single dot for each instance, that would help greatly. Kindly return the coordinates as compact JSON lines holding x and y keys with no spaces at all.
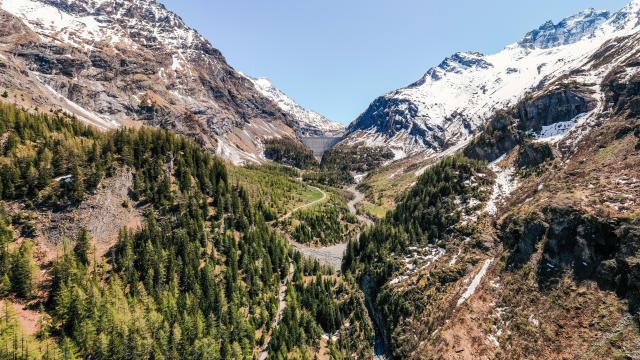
{"x":328,"y":255}
{"x":358,"y":197}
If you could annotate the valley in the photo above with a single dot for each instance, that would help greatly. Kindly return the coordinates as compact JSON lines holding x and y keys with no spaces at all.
{"x":156,"y":203}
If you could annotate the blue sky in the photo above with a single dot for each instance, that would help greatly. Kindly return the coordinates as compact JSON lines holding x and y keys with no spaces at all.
{"x":336,"y":56}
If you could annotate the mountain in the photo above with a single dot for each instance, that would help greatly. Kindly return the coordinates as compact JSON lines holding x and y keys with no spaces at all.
{"x":116,"y":63}
{"x":452,"y":101}
{"x":309,"y":123}
{"x":524,"y":243}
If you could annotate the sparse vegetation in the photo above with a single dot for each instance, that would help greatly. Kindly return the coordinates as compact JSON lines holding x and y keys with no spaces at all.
{"x":425,"y":216}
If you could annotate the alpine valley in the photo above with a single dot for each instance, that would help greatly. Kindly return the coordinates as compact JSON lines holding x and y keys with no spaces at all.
{"x":156,"y":203}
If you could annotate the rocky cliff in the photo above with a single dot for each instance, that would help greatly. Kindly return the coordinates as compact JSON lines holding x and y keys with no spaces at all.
{"x":130,"y":62}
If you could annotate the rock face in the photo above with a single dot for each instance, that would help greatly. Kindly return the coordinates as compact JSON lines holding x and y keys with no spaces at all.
{"x":622,"y":89}
{"x":553,"y":107}
{"x":507,"y":129}
{"x":119,"y":62}
{"x":456,"y":99}
{"x":592,"y":248}
{"x":561,"y":246}
{"x":534,"y":154}
{"x":500,"y":136}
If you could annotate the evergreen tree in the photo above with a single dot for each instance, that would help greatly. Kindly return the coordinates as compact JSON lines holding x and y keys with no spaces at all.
{"x":76,"y":190}
{"x":81,"y":249}
{"x":22,"y":271}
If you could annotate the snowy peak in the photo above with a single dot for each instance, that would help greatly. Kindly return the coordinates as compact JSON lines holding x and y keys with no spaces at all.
{"x":310,"y":123}
{"x":457,"y":63}
{"x":117,"y":62}
{"x":453,"y":100}
{"x":627,"y":18}
{"x":132,"y":24}
{"x":464,"y":60}
{"x":568,"y":31}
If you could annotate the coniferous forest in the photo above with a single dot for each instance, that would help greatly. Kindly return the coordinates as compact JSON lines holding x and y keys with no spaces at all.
{"x":200,"y":279}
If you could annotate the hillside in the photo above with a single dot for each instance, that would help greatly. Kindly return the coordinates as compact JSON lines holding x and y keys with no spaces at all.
{"x":155,"y":203}
{"x":129,"y":62}
{"x":524,"y":244}
{"x":158,"y":253}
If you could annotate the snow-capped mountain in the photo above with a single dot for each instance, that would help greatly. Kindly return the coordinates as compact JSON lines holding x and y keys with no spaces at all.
{"x":310,"y":123}
{"x":125,"y":62}
{"x":453,"y":100}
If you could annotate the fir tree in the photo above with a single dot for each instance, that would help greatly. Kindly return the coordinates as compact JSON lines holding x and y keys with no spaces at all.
{"x":81,"y":249}
{"x":22,"y":271}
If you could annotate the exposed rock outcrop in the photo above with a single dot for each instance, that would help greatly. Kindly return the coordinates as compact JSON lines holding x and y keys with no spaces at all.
{"x":533,"y":154}
{"x":552,"y":107}
{"x":592,"y":248}
{"x":513,"y":127}
{"x":127,"y":62}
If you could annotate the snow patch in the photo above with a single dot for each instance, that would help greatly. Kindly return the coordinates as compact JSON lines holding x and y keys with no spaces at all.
{"x":455,"y":258}
{"x":493,"y":340}
{"x":307,"y":119}
{"x":505,"y":184}
{"x":476,"y":281}
{"x":63,"y":179}
{"x":398,"y":279}
{"x":556,"y":132}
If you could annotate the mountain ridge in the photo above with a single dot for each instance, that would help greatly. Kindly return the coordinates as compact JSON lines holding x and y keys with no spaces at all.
{"x":452,"y":101}
{"x":311,"y":123}
{"x":132,"y":62}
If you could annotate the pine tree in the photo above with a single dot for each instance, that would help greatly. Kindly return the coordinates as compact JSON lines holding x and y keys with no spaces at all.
{"x":22,"y":271}
{"x":81,"y":249}
{"x":77,"y":184}
{"x":5,"y":286}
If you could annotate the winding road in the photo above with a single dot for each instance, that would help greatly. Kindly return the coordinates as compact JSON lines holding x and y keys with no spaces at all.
{"x":307,"y":205}
{"x":328,"y":255}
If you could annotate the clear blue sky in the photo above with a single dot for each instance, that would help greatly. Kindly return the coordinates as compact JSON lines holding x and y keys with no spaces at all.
{"x":336,"y":56}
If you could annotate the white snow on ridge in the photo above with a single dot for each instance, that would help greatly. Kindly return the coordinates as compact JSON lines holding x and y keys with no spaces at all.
{"x":471,"y":86}
{"x":308,"y":119}
{"x":84,"y":30}
{"x":43,"y":18}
